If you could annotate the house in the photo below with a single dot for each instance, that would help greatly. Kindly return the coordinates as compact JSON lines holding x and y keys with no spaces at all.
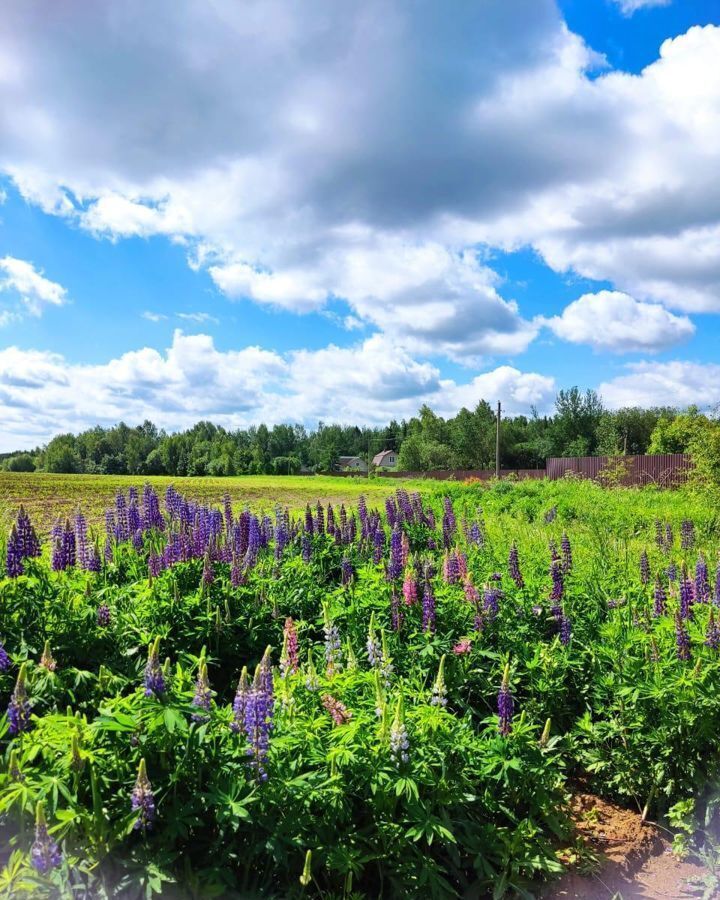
{"x":352,"y":464}
{"x":386,"y":459}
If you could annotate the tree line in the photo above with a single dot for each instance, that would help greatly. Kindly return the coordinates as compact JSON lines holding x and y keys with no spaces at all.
{"x":579,"y":426}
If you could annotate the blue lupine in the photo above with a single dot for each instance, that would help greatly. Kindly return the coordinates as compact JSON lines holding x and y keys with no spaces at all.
{"x":659,"y":599}
{"x":687,"y":534}
{"x":428,"y":608}
{"x":514,"y":567}
{"x":258,"y":722}
{"x":4,"y":659}
{"x":44,"y":853}
{"x":702,"y":581}
{"x":395,"y":566}
{"x":241,"y":695}
{"x":103,"y":615}
{"x":712,"y":636}
{"x":18,"y":711}
{"x":154,"y":680}
{"x":566,"y":549}
{"x":22,"y":544}
{"x":644,"y":568}
{"x":203,"y":695}
{"x":142,"y":800}
{"x":682,"y":639}
{"x":346,"y":570}
{"x":686,"y":596}
{"x":505,"y":704}
{"x":565,"y":630}
{"x":449,"y":523}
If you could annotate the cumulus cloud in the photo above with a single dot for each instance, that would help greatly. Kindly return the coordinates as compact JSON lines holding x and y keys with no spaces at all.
{"x":373,"y":381}
{"x":679,"y":383}
{"x":21,"y":279}
{"x":613,"y":321}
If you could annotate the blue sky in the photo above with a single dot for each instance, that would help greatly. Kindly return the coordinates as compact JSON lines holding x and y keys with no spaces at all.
{"x":245,"y":214}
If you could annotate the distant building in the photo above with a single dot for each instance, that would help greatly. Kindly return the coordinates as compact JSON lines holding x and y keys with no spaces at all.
{"x":386,"y":459}
{"x":352,"y":464}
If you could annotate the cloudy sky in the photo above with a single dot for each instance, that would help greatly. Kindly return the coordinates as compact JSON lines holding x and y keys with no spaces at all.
{"x":272,"y":211}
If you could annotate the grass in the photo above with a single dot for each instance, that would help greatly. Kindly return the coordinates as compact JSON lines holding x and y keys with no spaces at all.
{"x":48,"y":496}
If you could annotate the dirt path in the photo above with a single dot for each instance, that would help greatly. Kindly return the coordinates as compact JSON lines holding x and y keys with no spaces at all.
{"x":636,"y":860}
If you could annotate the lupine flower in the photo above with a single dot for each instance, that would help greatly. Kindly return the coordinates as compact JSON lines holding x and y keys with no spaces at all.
{"x":208,"y":572}
{"x":396,"y":611}
{"x":668,"y":537}
{"x":14,"y":770}
{"x":203,"y":695}
{"x":687,"y":534}
{"x":659,"y":534}
{"x":395,"y":566}
{"x":475,"y":535}
{"x":399,"y":743}
{"x":451,"y":568}
{"x":374,"y":650}
{"x":289,"y":662}
{"x":306,"y":547}
{"x":644,"y":568}
{"x":333,"y":647}
{"x":410,"y":588}
{"x":439,"y":691}
{"x":142,"y":800}
{"x":449,"y":523}
{"x":44,"y":853}
{"x":18,"y":711}
{"x":22,"y":544}
{"x":428,"y":608}
{"x":347,"y":571}
{"x":702,"y":581}
{"x":686,"y":596}
{"x":716,"y":594}
{"x":312,"y":682}
{"x":514,"y":567}
{"x":558,"y":583}
{"x":505,"y":704}
{"x":462,"y":647}
{"x":258,"y":717}
{"x":565,"y":629}
{"x":154,"y":679}
{"x":63,"y":546}
{"x":712,"y":637}
{"x":550,"y":515}
{"x":46,"y":660}
{"x":341,"y":715}
{"x":566,"y":549}
{"x":671,"y":572}
{"x":660,"y":598}
{"x":241,"y":695}
{"x":491,"y":600}
{"x":4,"y":658}
{"x":682,"y":639}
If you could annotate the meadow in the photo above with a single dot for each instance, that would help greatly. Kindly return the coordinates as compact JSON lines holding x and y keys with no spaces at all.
{"x":393,"y":693}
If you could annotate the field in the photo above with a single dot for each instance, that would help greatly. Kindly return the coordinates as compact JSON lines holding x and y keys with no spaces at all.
{"x":385,"y":699}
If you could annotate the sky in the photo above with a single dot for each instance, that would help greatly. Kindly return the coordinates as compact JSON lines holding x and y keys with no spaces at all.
{"x":279,"y":212}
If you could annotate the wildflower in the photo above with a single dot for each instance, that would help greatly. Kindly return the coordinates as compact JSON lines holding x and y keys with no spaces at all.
{"x":687,"y":534}
{"x":428,"y":608}
{"x":644,"y":568}
{"x":410,"y":588}
{"x":154,"y":564}
{"x":14,"y":770}
{"x":18,"y":711}
{"x":46,"y":660}
{"x":439,"y":691}
{"x":505,"y":704}
{"x":4,"y":658}
{"x":306,"y":547}
{"x":44,"y":853}
{"x":565,"y":630}
{"x":396,"y":612}
{"x":702,"y":581}
{"x":239,"y":702}
{"x":22,"y":544}
{"x":339,"y":712}
{"x":395,"y":565}
{"x":399,"y":743}
{"x":346,"y":570}
{"x":682,"y":640}
{"x":491,"y":600}
{"x":514,"y":567}
{"x":558,"y":583}
{"x":63,"y":546}
{"x":712,"y":637}
{"x":154,"y":679}
{"x":142,"y":800}
{"x":374,"y":650}
{"x":312,"y":683}
{"x":550,"y":515}
{"x":449,"y":523}
{"x":660,"y":598}
{"x":333,"y":649}
{"x":566,"y":549}
{"x":686,"y":596}
{"x":258,"y":717}
{"x":289,"y":663}
{"x":462,"y":647}
{"x":203,"y":694}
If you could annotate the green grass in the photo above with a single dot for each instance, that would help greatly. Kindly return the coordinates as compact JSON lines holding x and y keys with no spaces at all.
{"x":49,"y":496}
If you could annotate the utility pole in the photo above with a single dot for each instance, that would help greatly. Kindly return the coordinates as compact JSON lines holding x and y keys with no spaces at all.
{"x":497,"y":443}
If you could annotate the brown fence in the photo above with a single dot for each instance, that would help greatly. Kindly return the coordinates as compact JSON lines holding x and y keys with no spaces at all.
{"x":465,"y":474}
{"x":662,"y":469}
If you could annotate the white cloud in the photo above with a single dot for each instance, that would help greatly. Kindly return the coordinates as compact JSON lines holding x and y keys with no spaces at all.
{"x":628,"y":7}
{"x":679,"y":383}
{"x":611,"y":320}
{"x":153,"y":316}
{"x":21,"y":278}
{"x":373,"y":381}
{"x":198,"y":317}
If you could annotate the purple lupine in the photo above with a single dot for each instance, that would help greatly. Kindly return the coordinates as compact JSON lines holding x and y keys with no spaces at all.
{"x":154,"y":564}
{"x":92,"y":562}
{"x":4,"y":659}
{"x":682,"y":639}
{"x":346,"y":570}
{"x":558,"y":583}
{"x":45,"y":854}
{"x":566,"y":550}
{"x":702,"y":581}
{"x":712,"y":636}
{"x":103,"y":615}
{"x":203,"y":695}
{"x":505,"y":704}
{"x":428,"y":608}
{"x":289,"y":660}
{"x":451,"y":567}
{"x":258,"y":721}
{"x":449,"y":523}
{"x":716,"y":593}
{"x":142,"y":800}
{"x":565,"y":629}
{"x":514,"y":567}
{"x":18,"y":711}
{"x":154,"y":680}
{"x":208,"y":572}
{"x":395,"y":566}
{"x":151,"y":515}
{"x":396,"y":610}
{"x":659,"y":535}
{"x":671,"y":572}
{"x":63,"y":546}
{"x":475,"y":535}
{"x":687,"y":534}
{"x":686,"y":595}
{"x":306,"y":547}
{"x":22,"y":544}
{"x":491,"y":600}
{"x":122,"y":528}
{"x":659,"y":598}
{"x":644,"y":568}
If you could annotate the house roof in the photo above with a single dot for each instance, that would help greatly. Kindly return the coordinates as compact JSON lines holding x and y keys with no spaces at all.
{"x":379,"y":457}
